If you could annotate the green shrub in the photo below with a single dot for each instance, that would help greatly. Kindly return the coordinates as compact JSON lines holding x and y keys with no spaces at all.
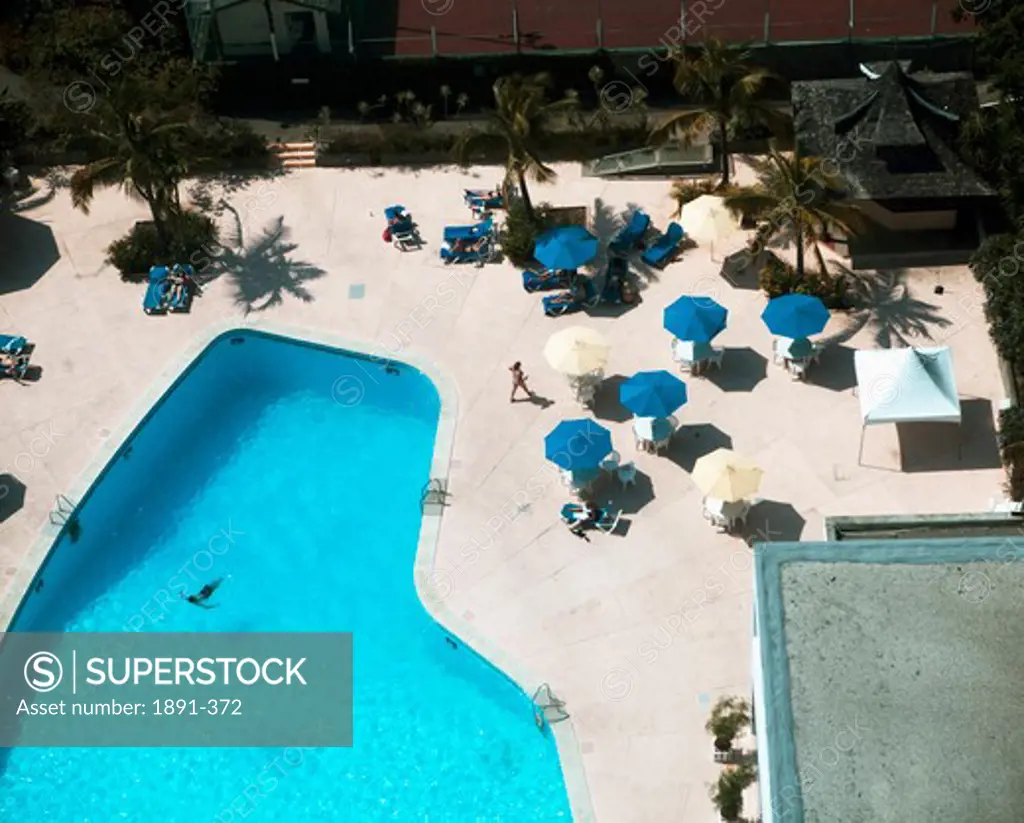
{"x":519,"y":233}
{"x":194,"y":241}
{"x":776,"y":277}
{"x":1011,"y":446}
{"x":727,"y":793}
{"x":729,"y":716}
{"x":232,"y":144}
{"x":685,"y":191}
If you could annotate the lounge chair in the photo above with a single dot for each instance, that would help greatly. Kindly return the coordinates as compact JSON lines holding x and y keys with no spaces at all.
{"x":664,"y":248}
{"x":12,"y":345}
{"x":572,"y":516}
{"x":567,"y":303}
{"x":483,"y":202}
{"x":158,"y":300}
{"x":478,"y":256}
{"x":154,"y":302}
{"x":629,"y":236}
{"x":403,"y":230}
{"x":546,"y":281}
{"x":453,"y":233}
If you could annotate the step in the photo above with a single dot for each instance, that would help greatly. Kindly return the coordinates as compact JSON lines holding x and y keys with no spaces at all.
{"x":307,"y":163}
{"x":301,"y":146}
{"x":295,"y":155}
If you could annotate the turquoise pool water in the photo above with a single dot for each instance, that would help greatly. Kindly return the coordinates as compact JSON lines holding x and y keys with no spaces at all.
{"x":295,"y":473}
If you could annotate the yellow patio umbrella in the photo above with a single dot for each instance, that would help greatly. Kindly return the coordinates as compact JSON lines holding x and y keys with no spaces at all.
{"x":707,"y":220}
{"x":727,"y":476}
{"x":576,"y":351}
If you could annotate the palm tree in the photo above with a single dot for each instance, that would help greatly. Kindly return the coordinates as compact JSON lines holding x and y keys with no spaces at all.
{"x":521,"y":111}
{"x":725,"y":90}
{"x":797,"y":196}
{"x":146,"y":156}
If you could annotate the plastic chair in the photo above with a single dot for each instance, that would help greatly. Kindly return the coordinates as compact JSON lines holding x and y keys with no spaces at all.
{"x":627,"y":474}
{"x":611,"y":462}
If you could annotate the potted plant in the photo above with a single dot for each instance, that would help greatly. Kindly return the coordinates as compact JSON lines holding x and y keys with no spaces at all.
{"x":727,"y":793}
{"x":729,"y":716}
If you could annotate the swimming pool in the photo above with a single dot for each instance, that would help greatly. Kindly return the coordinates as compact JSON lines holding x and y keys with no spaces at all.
{"x":296,"y":473}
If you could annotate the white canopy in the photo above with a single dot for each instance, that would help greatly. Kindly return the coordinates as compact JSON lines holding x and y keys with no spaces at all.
{"x":906,"y":386}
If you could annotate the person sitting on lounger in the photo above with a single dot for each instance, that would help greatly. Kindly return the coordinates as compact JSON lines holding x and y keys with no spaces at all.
{"x":178,"y":281}
{"x":588,"y":517}
{"x":561,"y":299}
{"x":13,"y":364}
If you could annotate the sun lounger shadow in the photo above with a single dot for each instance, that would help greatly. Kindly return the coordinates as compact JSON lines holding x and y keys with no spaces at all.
{"x":690,"y":443}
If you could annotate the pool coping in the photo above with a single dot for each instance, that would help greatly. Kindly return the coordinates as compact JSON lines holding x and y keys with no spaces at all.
{"x":430,"y":582}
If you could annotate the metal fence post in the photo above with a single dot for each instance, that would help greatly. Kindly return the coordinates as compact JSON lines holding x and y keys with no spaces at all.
{"x":935,"y":16}
{"x":433,"y":40}
{"x":851,"y":17}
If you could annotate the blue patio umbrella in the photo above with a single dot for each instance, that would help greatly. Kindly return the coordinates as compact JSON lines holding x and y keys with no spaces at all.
{"x":653,"y":394}
{"x":697,"y":319}
{"x":576,"y":445}
{"x":565,"y":248}
{"x":795,"y":315}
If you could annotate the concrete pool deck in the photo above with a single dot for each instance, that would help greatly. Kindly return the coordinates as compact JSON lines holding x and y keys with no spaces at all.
{"x":638,"y":633}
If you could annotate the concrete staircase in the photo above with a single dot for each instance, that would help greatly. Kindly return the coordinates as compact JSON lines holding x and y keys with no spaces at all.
{"x":295,"y":155}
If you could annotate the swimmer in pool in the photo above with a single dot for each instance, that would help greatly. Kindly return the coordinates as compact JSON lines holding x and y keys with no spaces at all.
{"x":205,"y":593}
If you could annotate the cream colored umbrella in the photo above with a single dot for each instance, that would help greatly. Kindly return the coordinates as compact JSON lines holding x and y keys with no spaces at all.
{"x":727,"y":476}
{"x":576,"y":351}
{"x":707,"y":220}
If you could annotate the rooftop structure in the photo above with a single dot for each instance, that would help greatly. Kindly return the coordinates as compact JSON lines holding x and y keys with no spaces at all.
{"x":887,"y":679}
{"x":892,"y":133}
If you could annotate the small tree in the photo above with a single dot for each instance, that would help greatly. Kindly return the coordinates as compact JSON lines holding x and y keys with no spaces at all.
{"x":723,"y":88}
{"x":727,"y":793}
{"x":796,"y":197}
{"x":521,"y":112}
{"x":729,"y":716}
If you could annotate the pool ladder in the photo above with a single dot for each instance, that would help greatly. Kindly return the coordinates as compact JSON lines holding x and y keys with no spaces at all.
{"x":435,"y":494}
{"x":546,"y":705}
{"x":62,"y":509}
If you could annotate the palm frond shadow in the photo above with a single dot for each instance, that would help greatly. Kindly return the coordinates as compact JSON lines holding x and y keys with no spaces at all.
{"x":882,"y":302}
{"x":262,"y":271}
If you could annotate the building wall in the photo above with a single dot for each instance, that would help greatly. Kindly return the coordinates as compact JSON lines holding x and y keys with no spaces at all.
{"x":909,"y":221}
{"x":245,"y":32}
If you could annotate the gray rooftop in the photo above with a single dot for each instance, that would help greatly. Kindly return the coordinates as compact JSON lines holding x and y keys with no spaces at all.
{"x":892,"y":133}
{"x":892,"y":677}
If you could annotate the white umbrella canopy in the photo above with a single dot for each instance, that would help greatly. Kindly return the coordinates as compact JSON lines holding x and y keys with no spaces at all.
{"x":706,"y":219}
{"x":727,"y":476}
{"x":576,"y":351}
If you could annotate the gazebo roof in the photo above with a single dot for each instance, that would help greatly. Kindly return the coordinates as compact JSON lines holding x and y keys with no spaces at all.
{"x":892,"y":133}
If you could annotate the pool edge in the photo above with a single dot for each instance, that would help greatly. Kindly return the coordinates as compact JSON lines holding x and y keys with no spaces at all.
{"x":566,"y":740}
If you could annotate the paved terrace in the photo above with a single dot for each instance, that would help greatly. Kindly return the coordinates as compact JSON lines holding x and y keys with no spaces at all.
{"x":640,"y":632}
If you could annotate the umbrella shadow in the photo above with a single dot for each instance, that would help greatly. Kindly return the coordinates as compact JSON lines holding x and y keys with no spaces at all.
{"x":30,"y":251}
{"x":607,"y":405}
{"x":834,"y":370}
{"x":739,"y":270}
{"x":632,"y":498}
{"x":771,"y":521}
{"x":691,"y":443}
{"x":935,"y":447}
{"x":741,"y":370}
{"x":12,"y":496}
